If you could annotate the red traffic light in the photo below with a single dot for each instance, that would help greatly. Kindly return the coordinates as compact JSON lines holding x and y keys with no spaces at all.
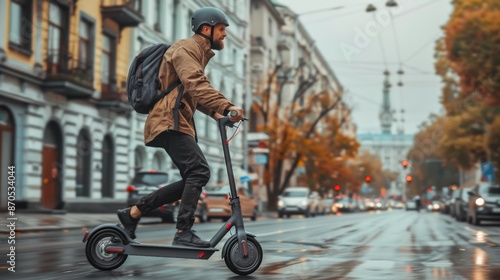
{"x":368,"y":179}
{"x":337,"y":188}
{"x":404,"y":163}
{"x":409,"y":178}
{"x":262,"y":144}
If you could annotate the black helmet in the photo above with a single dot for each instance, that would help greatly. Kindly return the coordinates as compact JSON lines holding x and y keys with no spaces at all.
{"x":208,"y":15}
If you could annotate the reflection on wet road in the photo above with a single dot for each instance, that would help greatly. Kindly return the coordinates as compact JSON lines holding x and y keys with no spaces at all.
{"x":375,"y":245}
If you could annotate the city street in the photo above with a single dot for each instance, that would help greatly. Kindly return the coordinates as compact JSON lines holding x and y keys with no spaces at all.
{"x":374,"y":245}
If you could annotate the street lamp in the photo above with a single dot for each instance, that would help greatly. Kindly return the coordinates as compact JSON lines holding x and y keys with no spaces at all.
{"x":370,"y":8}
{"x":391,"y":3}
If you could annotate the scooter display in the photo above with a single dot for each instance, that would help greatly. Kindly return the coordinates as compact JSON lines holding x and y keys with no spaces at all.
{"x":108,"y":245}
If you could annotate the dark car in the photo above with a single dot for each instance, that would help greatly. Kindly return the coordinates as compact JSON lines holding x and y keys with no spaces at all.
{"x":484,"y":203}
{"x":146,"y":182}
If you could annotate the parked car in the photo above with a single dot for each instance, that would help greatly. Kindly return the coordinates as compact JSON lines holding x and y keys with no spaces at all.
{"x":146,"y":182}
{"x":217,"y":199}
{"x":295,"y":200}
{"x":484,"y":203}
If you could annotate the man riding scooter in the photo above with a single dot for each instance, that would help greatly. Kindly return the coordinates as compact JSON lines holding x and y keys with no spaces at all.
{"x":170,"y":123}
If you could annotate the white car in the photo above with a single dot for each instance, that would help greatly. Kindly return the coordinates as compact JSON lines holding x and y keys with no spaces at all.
{"x":410,"y":205}
{"x":295,"y":200}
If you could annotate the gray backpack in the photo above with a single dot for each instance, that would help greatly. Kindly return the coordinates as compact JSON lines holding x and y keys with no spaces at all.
{"x":143,"y":85}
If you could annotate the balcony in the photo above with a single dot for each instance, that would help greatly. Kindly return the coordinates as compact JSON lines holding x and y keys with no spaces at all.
{"x":68,"y":76}
{"x":124,"y":12}
{"x":284,"y":44}
{"x":114,"y":99}
{"x":258,"y":44}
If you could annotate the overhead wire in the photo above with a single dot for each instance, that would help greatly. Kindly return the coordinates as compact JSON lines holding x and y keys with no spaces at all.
{"x":362,"y":65}
{"x":423,"y":47}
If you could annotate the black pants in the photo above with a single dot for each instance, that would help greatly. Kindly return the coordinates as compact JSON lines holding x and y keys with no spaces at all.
{"x":188,"y":157}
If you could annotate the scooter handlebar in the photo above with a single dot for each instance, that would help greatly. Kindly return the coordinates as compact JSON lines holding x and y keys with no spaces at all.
{"x":226,"y":121}
{"x":233,"y":114}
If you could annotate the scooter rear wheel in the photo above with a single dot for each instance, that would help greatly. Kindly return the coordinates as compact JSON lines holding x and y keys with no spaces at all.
{"x":97,"y":254}
{"x":243,"y":266}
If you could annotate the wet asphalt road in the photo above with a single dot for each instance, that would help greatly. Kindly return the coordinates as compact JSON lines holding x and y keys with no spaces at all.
{"x":374,"y":245}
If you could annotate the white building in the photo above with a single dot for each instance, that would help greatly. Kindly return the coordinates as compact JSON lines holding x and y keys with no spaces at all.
{"x":391,"y":148}
{"x":75,"y":143}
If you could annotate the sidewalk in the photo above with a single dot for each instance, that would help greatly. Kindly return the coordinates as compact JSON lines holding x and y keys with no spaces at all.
{"x":33,"y":222}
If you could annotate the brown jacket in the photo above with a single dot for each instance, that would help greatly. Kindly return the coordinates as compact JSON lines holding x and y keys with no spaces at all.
{"x":185,"y":60}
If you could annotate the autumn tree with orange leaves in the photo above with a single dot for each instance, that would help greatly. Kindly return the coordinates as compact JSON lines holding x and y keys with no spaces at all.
{"x":467,"y":60}
{"x":301,"y":128}
{"x":473,"y":47}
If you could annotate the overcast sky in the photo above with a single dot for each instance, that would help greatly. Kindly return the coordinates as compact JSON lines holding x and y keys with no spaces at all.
{"x":350,"y":42}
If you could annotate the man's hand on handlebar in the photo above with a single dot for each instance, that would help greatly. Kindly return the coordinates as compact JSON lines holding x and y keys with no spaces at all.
{"x":235,"y":118}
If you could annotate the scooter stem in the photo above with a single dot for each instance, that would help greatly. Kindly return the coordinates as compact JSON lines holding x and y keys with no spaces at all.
{"x":236,"y":207}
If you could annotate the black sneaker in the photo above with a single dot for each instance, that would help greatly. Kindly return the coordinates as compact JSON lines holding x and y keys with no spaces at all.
{"x":188,"y":238}
{"x":129,"y":223}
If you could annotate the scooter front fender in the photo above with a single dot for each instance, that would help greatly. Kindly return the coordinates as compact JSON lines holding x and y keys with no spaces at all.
{"x":126,"y":239}
{"x":235,"y":236}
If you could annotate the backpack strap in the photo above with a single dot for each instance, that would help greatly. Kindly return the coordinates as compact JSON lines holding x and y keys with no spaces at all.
{"x":169,"y":89}
{"x":176,"y":108}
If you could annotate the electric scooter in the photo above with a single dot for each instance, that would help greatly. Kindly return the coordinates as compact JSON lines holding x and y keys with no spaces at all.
{"x":108,"y":245}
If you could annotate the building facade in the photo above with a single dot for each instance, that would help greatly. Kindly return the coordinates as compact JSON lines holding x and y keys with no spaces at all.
{"x":63,"y":70}
{"x":65,"y":123}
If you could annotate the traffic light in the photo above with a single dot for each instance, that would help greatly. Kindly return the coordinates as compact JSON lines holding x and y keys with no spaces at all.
{"x":368,"y":179}
{"x":409,"y":178}
{"x":404,"y":163}
{"x":262,"y":144}
{"x":337,"y":188}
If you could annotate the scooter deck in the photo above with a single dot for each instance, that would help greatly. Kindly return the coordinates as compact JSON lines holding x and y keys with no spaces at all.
{"x":154,"y":250}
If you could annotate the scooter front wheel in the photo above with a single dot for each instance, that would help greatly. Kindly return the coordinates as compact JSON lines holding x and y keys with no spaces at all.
{"x":237,"y":263}
{"x":96,"y":253}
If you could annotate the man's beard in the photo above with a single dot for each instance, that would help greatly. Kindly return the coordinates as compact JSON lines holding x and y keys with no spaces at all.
{"x":217,"y":45}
